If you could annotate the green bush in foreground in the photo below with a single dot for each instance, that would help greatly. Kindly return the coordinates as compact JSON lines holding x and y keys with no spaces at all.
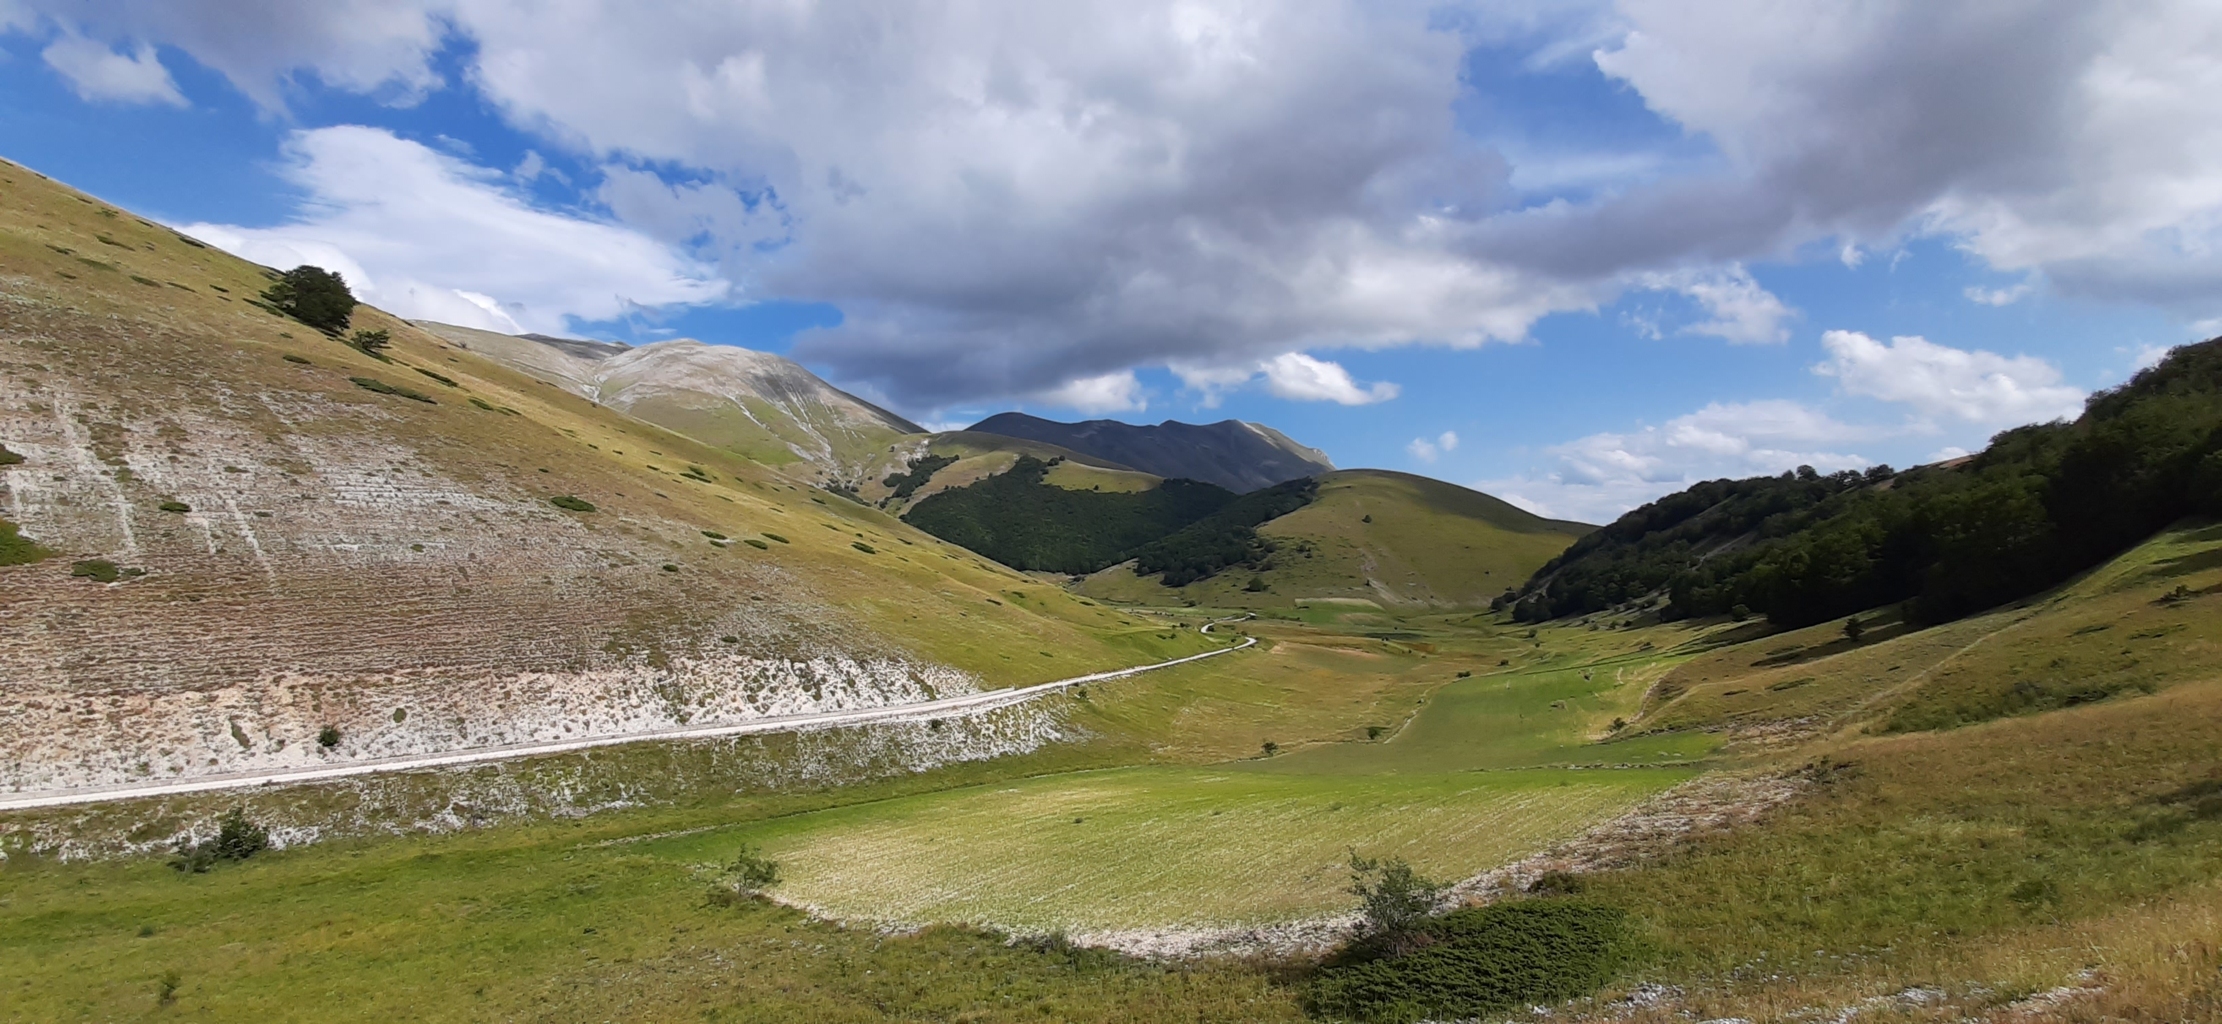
{"x":1484,"y":960}
{"x":237,"y":838}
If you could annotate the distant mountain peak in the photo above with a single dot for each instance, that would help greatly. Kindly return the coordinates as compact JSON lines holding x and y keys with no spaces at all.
{"x":762,"y":405}
{"x":1238,"y":456}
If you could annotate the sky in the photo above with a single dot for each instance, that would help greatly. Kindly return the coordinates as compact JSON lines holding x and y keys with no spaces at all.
{"x":1578,"y":255}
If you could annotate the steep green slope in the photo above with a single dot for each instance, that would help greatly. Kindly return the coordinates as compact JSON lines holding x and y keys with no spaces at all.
{"x":2039,"y":505}
{"x":1374,"y":538}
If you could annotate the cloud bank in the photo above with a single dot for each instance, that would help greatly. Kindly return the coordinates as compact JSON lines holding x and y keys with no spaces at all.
{"x":1011,"y":199}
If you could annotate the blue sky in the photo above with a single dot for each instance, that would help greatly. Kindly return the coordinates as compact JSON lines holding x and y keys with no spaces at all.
{"x":1575,"y":254}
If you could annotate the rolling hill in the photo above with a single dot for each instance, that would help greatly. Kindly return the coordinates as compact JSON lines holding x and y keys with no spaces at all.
{"x":1238,"y":456}
{"x":258,"y":531}
{"x":1374,"y":538}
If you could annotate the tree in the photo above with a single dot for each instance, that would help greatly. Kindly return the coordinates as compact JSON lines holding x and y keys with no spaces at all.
{"x":1271,"y":748}
{"x":328,"y":737}
{"x":1854,"y":629}
{"x":315,"y":296}
{"x":372,"y":342}
{"x":1393,"y":901}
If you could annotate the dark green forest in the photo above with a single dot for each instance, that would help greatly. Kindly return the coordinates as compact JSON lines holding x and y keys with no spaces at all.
{"x":1223,"y":539}
{"x":1183,"y":528}
{"x":2037,"y":506}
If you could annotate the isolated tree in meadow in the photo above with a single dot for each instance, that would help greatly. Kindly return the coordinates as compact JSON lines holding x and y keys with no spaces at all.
{"x":371,"y":342}
{"x":315,"y":296}
{"x":1854,"y":629}
{"x":1393,"y":900}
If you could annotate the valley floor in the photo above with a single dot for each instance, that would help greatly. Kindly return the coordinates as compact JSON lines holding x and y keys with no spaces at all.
{"x":2013,"y":817}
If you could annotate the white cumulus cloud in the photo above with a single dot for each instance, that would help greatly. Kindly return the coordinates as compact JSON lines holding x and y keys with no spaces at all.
{"x":1938,"y":382}
{"x":1428,"y":450}
{"x":99,"y":73}
{"x":1302,"y":378}
{"x":428,"y":236}
{"x":1596,"y":478}
{"x":1110,"y":392}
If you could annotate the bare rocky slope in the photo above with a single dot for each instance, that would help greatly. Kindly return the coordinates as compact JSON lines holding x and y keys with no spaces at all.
{"x":260,"y":531}
{"x":756,"y":404}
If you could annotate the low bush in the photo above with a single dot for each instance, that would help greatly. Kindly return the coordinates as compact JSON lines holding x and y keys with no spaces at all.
{"x":757,"y":544}
{"x":237,"y":838}
{"x":1484,"y":960}
{"x":383,"y":388}
{"x":571,"y":504}
{"x":436,"y":376}
{"x":714,"y":535}
{"x":175,"y":506}
{"x":866,"y":548}
{"x":291,"y":358}
{"x":482,"y":403}
{"x":101,"y":570}
{"x":775,"y":537}
{"x":8,"y":458}
{"x":746,"y":877}
{"x":16,"y":549}
{"x":328,"y":737}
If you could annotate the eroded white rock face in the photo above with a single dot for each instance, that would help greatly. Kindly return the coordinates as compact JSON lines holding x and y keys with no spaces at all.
{"x":575,"y":785}
{"x":66,"y":739}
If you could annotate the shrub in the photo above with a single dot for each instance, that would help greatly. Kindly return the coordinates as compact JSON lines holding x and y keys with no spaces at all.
{"x":757,"y":544}
{"x":668,"y":567}
{"x":1854,"y":629}
{"x":99,"y":570}
{"x":8,"y":458}
{"x":1270,"y":748}
{"x":1483,"y":960}
{"x":438,"y":377}
{"x":1393,"y":900}
{"x":237,"y":838}
{"x":747,"y":876}
{"x":481,"y":403}
{"x":775,"y":537}
{"x":314,"y":296}
{"x":866,"y":548}
{"x":291,"y":358}
{"x":571,"y":504}
{"x":328,"y":737}
{"x":174,"y":506}
{"x":1373,"y":732}
{"x":383,"y":388}
{"x":714,"y":535}
{"x":16,"y":549}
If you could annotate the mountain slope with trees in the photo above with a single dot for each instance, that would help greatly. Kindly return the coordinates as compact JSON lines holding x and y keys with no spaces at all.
{"x":2037,"y":506}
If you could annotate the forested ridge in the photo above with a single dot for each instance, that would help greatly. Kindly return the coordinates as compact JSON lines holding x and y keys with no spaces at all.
{"x":2037,"y":506}
{"x":1186,"y":529}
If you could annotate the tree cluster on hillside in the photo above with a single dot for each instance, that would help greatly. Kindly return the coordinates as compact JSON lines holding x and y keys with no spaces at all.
{"x":1226,"y":538}
{"x":1020,"y":520}
{"x":2037,"y":506}
{"x":915,"y":476}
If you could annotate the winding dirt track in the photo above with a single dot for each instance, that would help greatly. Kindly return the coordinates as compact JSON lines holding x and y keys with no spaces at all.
{"x":971,"y":703}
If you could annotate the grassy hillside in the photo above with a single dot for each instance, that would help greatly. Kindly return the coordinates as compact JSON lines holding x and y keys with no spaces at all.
{"x":307,"y":535}
{"x":964,"y":457}
{"x":1390,"y":540}
{"x":2044,"y":865}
